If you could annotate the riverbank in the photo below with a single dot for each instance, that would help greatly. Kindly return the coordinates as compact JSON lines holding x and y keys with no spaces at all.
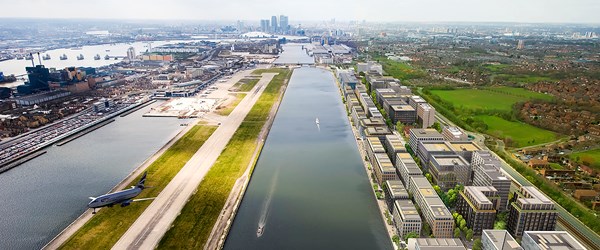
{"x":203,"y":209}
{"x":58,"y":136}
{"x":369,"y":171}
{"x":103,"y":229}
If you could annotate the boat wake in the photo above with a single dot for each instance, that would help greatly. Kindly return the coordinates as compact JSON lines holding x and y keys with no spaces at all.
{"x":262,"y":222}
{"x":318,"y":124}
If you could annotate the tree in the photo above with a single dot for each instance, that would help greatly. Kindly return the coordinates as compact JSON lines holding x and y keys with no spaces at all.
{"x":400,"y":127}
{"x":456,"y":232}
{"x":463,"y":225}
{"x":426,"y":229}
{"x":428,"y":176}
{"x":437,"y":126}
{"x":469,"y":235}
{"x":477,"y":245}
{"x":410,"y":235}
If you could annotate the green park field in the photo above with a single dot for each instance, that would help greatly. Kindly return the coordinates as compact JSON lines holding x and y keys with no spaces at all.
{"x":590,"y":157}
{"x":521,"y":134}
{"x":496,"y":98}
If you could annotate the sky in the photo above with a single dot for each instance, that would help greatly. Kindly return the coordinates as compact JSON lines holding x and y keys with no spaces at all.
{"x":529,"y":11}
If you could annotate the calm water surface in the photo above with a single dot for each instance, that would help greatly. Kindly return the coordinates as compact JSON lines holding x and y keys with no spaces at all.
{"x":44,"y":195}
{"x":309,"y":189}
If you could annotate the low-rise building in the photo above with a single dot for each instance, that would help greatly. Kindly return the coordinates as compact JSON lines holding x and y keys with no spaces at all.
{"x":406,"y":218}
{"x":452,"y":133}
{"x":530,"y":210}
{"x":402,"y":113}
{"x":393,"y":145}
{"x":407,"y":167}
{"x":384,"y":169}
{"x":498,"y":240}
{"x":478,"y":206}
{"x":435,"y":212}
{"x":544,"y":240}
{"x":449,"y":170}
{"x":417,"y":135}
{"x":435,"y":244}
{"x":373,"y":146}
{"x":380,"y":132}
{"x":585,"y":194}
{"x":394,"y":190}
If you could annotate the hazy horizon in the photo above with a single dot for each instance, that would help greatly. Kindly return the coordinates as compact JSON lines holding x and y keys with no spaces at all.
{"x":409,"y":11}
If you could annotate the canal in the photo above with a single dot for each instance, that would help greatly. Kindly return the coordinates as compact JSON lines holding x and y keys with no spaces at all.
{"x":43,"y":196}
{"x":309,"y":189}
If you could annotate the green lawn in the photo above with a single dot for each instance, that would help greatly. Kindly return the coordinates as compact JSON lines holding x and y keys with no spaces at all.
{"x":521,"y":134}
{"x":245,"y":84}
{"x":231,"y":106}
{"x":109,"y":224}
{"x":399,"y":70}
{"x":590,"y":157}
{"x":497,"y":98}
{"x":192,"y":227}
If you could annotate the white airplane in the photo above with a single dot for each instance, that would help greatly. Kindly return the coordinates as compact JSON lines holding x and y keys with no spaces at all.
{"x":124,"y":197}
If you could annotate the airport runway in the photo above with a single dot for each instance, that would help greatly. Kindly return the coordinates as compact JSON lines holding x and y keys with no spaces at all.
{"x":147,"y":231}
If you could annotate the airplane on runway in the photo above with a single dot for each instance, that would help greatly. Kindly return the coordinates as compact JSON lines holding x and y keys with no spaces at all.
{"x":124,"y":197}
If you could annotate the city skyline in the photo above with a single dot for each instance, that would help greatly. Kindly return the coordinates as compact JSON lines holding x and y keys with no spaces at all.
{"x":535,"y":11}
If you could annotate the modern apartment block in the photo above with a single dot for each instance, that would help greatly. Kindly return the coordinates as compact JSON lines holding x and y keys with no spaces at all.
{"x":407,"y":167}
{"x":449,"y":170}
{"x":373,"y":146}
{"x":415,"y":100}
{"x":452,"y":133}
{"x":425,"y":149}
{"x":394,"y":190}
{"x":498,"y":240}
{"x":530,"y":210}
{"x":402,"y":113}
{"x":425,"y":115}
{"x":384,"y":169}
{"x":435,"y":212}
{"x":417,"y":135}
{"x":478,"y":207}
{"x":393,"y":144}
{"x":406,"y":218}
{"x":435,"y":244}
{"x":544,"y":240}
{"x":486,"y":172}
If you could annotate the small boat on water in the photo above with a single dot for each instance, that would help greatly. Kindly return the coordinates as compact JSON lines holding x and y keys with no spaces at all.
{"x":97,"y":57}
{"x":106,"y":57}
{"x":260,"y":230}
{"x":317,"y":121}
{"x":46,"y":57}
{"x":80,"y":57}
{"x":63,"y":57}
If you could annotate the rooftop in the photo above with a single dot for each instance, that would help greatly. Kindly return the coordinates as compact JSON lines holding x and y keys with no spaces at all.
{"x":449,"y":160}
{"x":477,"y":192}
{"x":407,"y":209}
{"x":402,"y":107}
{"x":464,"y":146}
{"x":427,"y":132}
{"x":396,"y":188}
{"x":502,"y":240}
{"x":435,"y":146}
{"x":553,"y":240}
{"x":436,"y":243}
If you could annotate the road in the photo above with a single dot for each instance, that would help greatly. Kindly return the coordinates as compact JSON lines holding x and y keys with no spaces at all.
{"x":147,"y":231}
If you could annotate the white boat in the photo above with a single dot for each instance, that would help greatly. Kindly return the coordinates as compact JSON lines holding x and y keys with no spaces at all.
{"x":260,"y":231}
{"x":317,"y":121}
